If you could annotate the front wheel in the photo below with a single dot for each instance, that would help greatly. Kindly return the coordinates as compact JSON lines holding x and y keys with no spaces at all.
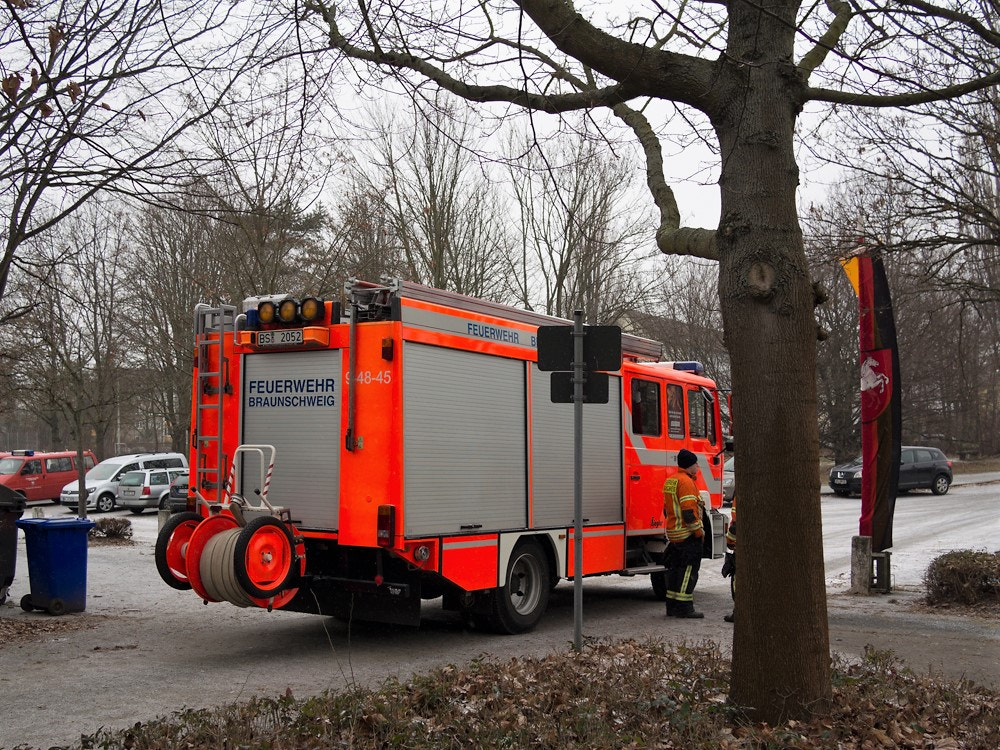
{"x":941,"y":484}
{"x":520,"y":603}
{"x":659,"y":581}
{"x":106,"y":503}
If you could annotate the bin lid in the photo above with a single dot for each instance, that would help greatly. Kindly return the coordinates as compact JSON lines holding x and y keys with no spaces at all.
{"x":11,"y":500}
{"x":56,"y":523}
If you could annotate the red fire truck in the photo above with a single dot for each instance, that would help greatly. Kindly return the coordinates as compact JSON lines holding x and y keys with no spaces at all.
{"x":353,"y":462}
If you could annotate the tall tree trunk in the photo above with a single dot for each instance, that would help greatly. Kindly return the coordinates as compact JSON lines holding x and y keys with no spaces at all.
{"x":770,"y":332}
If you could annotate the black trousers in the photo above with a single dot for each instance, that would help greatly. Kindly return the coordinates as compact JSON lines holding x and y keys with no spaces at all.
{"x":683,"y":563}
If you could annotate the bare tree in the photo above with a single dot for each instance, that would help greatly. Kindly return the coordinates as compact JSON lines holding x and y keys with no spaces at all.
{"x":446,"y":216}
{"x":583,"y":239}
{"x":73,"y":347}
{"x":95,"y":93}
{"x":750,"y":69}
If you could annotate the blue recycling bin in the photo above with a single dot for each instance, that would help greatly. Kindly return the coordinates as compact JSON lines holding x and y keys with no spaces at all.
{"x":57,"y":564}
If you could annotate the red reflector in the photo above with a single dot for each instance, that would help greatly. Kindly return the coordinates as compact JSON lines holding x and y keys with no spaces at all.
{"x":386,"y":529}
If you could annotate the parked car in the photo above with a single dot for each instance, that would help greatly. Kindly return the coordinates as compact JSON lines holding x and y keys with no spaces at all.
{"x":103,"y":479}
{"x":146,"y":488}
{"x":177,"y":497}
{"x":920,"y":467}
{"x":36,"y":475}
{"x":728,"y":482}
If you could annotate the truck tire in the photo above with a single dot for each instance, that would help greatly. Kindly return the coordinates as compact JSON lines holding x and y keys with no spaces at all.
{"x":520,"y":603}
{"x":659,"y":581}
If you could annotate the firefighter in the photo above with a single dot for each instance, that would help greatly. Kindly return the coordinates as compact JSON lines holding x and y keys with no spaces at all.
{"x":729,"y":566}
{"x":682,"y":508}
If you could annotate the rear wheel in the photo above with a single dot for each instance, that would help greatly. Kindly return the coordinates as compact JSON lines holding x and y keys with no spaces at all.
{"x":520,"y":603}
{"x":941,"y":484}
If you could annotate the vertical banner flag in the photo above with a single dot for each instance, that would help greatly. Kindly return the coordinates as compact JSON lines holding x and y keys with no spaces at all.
{"x":881,"y":414}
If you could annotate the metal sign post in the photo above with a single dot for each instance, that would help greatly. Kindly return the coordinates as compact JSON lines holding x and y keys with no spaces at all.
{"x":574,"y":354}
{"x":578,"y":379}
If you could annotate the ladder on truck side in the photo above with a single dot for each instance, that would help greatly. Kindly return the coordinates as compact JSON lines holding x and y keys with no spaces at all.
{"x":211,"y":326}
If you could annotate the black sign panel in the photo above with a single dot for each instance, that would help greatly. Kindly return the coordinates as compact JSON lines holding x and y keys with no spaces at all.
{"x":595,"y":388}
{"x":602,"y":348}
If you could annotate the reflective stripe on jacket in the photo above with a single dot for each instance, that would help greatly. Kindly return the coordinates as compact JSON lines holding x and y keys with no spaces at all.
{"x":681,"y":508}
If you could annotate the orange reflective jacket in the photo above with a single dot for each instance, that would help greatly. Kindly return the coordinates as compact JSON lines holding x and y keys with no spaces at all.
{"x":682,"y":508}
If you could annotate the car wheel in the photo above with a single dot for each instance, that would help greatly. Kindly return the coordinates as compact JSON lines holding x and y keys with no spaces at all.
{"x":106,"y":503}
{"x":520,"y":603}
{"x":940,"y":485}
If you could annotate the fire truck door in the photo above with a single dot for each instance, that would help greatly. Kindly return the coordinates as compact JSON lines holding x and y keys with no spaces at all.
{"x":645,"y":455}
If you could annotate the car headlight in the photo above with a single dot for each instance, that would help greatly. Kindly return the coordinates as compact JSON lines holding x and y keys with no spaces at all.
{"x":857,"y":474}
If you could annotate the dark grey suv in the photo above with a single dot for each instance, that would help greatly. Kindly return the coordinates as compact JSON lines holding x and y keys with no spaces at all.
{"x":919,"y":468}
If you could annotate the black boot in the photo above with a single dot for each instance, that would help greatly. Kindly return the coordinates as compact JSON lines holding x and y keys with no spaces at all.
{"x":731,"y":617}
{"x":689,"y":613}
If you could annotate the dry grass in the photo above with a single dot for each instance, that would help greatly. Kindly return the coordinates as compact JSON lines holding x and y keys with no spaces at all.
{"x":622,"y":695}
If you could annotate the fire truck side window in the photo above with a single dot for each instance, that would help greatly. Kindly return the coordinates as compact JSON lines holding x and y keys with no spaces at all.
{"x":645,"y":407}
{"x":697,"y":414}
{"x":675,"y":412}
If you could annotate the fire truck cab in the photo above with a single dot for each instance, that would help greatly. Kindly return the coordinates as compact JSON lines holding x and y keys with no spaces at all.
{"x":353,"y":462}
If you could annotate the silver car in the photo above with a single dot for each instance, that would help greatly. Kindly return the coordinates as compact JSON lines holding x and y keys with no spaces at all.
{"x":147,"y":488}
{"x":728,"y":482}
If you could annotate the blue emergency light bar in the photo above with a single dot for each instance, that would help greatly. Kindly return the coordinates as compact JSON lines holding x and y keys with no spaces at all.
{"x":696,"y":367}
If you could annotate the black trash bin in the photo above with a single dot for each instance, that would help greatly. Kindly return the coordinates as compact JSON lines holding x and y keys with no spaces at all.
{"x":11,"y":507}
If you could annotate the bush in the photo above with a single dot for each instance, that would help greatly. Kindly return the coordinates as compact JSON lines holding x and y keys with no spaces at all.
{"x":626,"y":694}
{"x":964,"y":577}
{"x":112,"y":528}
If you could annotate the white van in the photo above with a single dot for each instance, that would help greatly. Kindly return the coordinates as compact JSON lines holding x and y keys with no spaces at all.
{"x":102,"y":480}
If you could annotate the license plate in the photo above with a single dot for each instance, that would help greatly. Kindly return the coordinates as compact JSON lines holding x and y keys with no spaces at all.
{"x":840,"y":481}
{"x":291,"y":337}
{"x":130,"y":493}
